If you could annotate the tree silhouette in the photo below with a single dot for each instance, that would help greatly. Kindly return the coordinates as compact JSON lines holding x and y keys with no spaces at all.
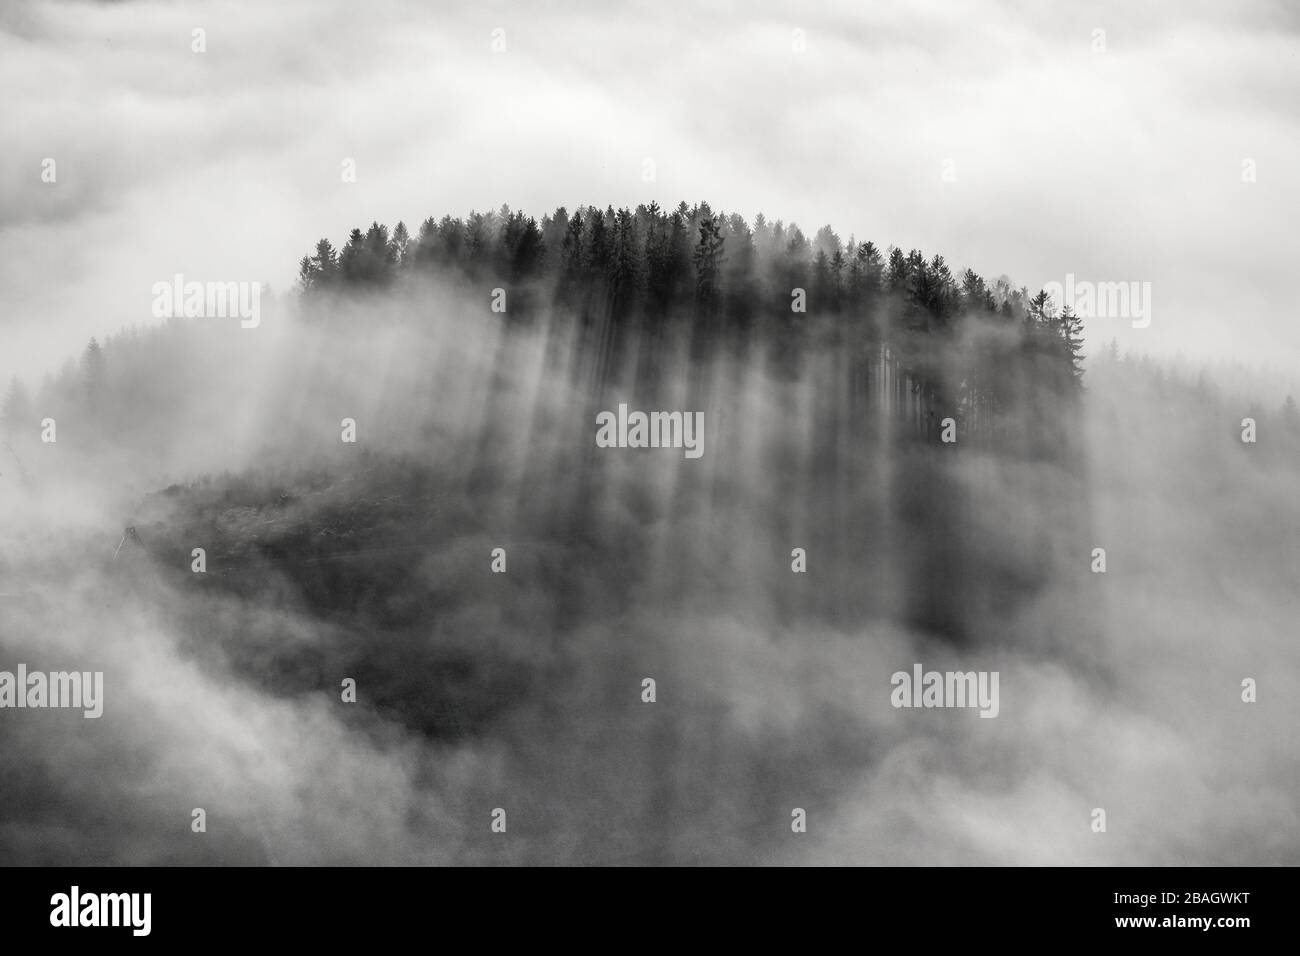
{"x":920,"y":340}
{"x":708,"y":263}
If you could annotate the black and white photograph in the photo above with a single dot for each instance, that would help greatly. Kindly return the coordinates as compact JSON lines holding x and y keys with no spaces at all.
{"x":650,"y":434}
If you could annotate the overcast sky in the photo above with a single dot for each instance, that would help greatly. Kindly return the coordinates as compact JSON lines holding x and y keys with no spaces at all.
{"x":1117,"y":165}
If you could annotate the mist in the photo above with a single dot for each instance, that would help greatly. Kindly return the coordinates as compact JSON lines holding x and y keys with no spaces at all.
{"x":522,"y":690}
{"x":362,"y":571}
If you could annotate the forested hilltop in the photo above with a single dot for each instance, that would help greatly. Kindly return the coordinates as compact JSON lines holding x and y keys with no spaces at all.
{"x":919,"y":340}
{"x":390,"y":481}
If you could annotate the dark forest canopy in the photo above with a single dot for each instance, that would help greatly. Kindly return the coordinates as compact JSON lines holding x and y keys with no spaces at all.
{"x":649,"y":263}
{"x":965,"y":347}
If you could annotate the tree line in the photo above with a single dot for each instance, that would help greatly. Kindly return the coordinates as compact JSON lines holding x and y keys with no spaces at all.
{"x":920,"y":337}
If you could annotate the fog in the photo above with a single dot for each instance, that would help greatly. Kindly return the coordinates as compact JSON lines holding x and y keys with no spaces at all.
{"x":1000,"y":135}
{"x":522,"y":690}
